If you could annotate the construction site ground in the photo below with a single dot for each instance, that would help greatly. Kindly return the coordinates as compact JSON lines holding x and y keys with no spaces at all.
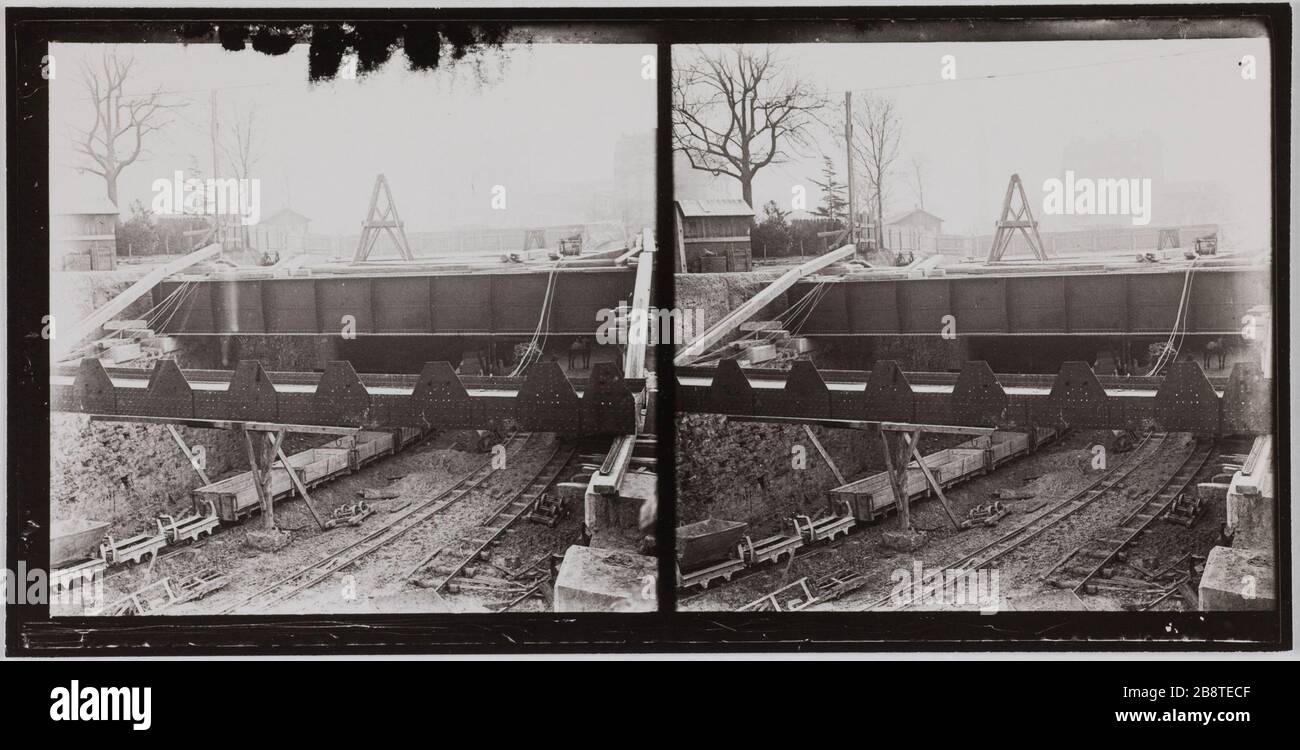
{"x":377,"y":582}
{"x":1052,"y":474}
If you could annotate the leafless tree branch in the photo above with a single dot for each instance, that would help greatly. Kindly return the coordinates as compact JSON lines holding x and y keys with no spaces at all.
{"x":735,"y":113}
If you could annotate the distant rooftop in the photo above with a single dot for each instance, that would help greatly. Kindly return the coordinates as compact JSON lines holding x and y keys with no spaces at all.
{"x":905,"y":214}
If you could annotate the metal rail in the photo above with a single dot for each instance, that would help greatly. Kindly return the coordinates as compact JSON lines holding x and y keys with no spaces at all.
{"x":339,"y":559}
{"x":817,"y":548}
{"x":1009,"y":542}
{"x":511,"y":510}
{"x":1138,"y":520}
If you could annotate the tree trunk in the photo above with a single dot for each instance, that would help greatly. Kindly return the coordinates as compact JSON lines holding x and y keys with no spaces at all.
{"x":111,"y":183}
{"x":747,"y":190}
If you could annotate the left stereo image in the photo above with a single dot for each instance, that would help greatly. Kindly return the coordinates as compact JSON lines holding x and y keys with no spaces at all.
{"x":341,"y":334}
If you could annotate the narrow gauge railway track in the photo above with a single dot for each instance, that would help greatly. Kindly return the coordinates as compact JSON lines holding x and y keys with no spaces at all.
{"x":1005,"y":544}
{"x":326,"y":566}
{"x":494,"y":526}
{"x":223,"y":528}
{"x":804,"y":552}
{"x":1095,"y":554}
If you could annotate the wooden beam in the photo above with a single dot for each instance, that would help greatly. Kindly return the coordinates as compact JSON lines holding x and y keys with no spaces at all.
{"x":226,"y":424}
{"x":297,"y":483}
{"x":64,"y":342}
{"x":188,"y":453}
{"x":260,"y":477}
{"x":754,"y":304}
{"x":897,"y":479}
{"x":275,"y":440}
{"x":634,"y":359}
{"x":607,"y":481}
{"x":825,"y":456}
{"x":937,"y":428}
{"x":934,"y":484}
{"x":861,"y":424}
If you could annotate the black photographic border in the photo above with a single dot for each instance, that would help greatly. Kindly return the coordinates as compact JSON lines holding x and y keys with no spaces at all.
{"x":30,"y":631}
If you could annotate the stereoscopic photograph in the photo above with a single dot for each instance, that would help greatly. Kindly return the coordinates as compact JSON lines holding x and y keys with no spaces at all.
{"x":346,"y":324}
{"x":988,"y":326}
{"x":648,"y":331}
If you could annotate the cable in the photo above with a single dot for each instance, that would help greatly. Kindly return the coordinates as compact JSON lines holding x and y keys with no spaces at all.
{"x":542,"y":320}
{"x":1184,"y":307}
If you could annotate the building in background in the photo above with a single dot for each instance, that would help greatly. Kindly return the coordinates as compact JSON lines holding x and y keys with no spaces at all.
{"x":713,"y":235}
{"x":634,"y":179}
{"x":83,"y":234}
{"x":283,"y":232}
{"x":913,"y":231}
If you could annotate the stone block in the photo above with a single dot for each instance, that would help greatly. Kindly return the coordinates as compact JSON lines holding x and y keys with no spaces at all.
{"x":904,"y":541}
{"x":1250,"y":516}
{"x":601,"y":580}
{"x":1238,"y":579}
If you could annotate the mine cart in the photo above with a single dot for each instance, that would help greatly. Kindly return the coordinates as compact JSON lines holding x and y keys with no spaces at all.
{"x":704,"y":576}
{"x":708,"y":542}
{"x":771,"y":548}
{"x":132,"y":550}
{"x":825,"y":528}
{"x":189,"y":528}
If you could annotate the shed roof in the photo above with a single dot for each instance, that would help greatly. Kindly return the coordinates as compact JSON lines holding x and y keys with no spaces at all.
{"x":715,"y":207}
{"x":906,"y":214}
{"x":285,"y":214}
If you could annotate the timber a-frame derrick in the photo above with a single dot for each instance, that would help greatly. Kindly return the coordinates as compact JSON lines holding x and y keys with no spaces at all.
{"x":543,"y":401}
{"x":1184,"y":400}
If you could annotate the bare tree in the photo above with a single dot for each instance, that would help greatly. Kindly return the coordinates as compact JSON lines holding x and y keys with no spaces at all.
{"x":122,"y":120}
{"x":734,"y":113}
{"x":876,"y":135}
{"x":242,"y":150}
{"x":918,"y":180}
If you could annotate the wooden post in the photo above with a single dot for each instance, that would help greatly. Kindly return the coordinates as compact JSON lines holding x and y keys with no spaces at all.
{"x":848,"y":141}
{"x":914,"y":444}
{"x":897,"y":469}
{"x":260,"y":469}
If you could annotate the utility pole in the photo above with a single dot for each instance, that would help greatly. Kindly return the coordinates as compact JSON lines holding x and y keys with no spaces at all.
{"x":848,"y":140}
{"x":212,"y":127}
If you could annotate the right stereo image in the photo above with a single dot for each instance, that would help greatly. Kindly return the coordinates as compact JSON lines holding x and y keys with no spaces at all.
{"x":975,"y":327}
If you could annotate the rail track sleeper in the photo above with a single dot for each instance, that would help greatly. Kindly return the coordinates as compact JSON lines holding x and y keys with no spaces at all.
{"x":1051,"y":517}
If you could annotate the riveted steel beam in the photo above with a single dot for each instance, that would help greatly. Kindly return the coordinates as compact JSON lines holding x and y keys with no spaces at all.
{"x":1182,"y":400}
{"x":545,"y":400}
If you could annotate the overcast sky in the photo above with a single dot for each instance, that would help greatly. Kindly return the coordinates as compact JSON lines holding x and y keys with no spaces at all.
{"x":548,"y":118}
{"x":1185,"y":97}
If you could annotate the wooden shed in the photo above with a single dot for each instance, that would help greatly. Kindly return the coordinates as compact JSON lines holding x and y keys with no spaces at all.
{"x":83,"y":235}
{"x":713,"y":235}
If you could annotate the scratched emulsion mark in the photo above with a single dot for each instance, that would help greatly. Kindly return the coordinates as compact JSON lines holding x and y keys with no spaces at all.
{"x":426,"y":45}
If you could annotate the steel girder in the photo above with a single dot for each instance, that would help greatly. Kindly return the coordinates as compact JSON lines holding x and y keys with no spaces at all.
{"x":1183,"y":400}
{"x":440,"y":304}
{"x":1038,"y":304}
{"x":543,"y":401}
